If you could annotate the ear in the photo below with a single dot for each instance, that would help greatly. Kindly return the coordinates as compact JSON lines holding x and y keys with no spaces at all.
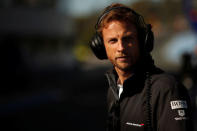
{"x":98,"y":47}
{"x":149,"y":39}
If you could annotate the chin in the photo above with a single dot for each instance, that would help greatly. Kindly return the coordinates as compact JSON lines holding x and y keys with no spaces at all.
{"x":125,"y":67}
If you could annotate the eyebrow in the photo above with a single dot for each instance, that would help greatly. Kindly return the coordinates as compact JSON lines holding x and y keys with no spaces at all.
{"x":129,"y":33}
{"x":125,"y":34}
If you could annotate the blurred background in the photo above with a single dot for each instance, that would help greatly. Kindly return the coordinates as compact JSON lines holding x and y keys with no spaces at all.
{"x":50,"y":79}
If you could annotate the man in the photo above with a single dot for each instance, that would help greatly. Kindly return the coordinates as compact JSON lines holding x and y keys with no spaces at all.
{"x":140,"y":96}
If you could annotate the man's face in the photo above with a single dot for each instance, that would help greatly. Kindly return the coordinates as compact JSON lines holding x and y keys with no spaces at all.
{"x":121,"y":44}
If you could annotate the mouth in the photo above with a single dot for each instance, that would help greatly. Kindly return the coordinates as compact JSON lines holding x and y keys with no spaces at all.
{"x":122,"y":58}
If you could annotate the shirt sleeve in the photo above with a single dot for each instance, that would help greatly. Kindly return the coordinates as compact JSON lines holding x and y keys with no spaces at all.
{"x":174,"y":108}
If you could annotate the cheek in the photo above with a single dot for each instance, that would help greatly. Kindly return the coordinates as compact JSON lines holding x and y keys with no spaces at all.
{"x":110,"y":52}
{"x":134,"y":51}
{"x":137,"y":52}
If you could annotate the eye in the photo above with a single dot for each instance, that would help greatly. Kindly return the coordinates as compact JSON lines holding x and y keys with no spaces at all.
{"x":128,"y":39}
{"x":112,"y":41}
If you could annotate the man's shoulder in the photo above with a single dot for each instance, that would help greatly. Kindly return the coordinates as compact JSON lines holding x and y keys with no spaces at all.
{"x":163,"y":78}
{"x":164,"y":81}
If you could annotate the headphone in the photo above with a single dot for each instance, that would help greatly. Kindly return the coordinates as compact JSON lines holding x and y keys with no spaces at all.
{"x":97,"y":44}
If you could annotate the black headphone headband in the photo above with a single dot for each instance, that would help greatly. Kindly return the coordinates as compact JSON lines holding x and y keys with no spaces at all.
{"x":97,"y":44}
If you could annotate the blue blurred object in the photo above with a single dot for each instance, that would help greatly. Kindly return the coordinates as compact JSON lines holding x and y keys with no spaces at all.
{"x":190,"y":13}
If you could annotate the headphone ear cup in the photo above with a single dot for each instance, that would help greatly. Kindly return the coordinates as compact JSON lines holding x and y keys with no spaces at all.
{"x":98,"y":47}
{"x":149,"y":40}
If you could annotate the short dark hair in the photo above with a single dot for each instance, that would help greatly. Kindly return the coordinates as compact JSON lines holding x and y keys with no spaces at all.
{"x":121,"y":14}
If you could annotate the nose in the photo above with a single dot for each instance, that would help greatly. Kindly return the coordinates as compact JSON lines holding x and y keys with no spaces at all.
{"x":120,"y":46}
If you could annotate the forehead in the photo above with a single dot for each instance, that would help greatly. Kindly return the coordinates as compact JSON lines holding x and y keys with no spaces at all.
{"x":119,"y":26}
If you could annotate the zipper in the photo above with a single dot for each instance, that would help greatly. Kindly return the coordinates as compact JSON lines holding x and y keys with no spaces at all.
{"x":112,"y":86}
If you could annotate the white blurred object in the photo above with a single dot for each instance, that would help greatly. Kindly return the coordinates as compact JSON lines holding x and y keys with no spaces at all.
{"x":184,"y":42}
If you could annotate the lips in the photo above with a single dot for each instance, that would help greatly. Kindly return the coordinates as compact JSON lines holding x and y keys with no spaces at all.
{"x":122,"y":58}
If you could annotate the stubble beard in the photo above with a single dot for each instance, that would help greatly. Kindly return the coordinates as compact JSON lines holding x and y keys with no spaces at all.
{"x":126,"y":68}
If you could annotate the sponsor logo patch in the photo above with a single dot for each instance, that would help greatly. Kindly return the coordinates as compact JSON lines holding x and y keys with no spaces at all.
{"x":134,"y":124}
{"x":181,"y":112}
{"x":178,"y":104}
{"x":181,"y":118}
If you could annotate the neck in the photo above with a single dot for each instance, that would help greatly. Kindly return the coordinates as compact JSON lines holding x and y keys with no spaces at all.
{"x":123,"y":75}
